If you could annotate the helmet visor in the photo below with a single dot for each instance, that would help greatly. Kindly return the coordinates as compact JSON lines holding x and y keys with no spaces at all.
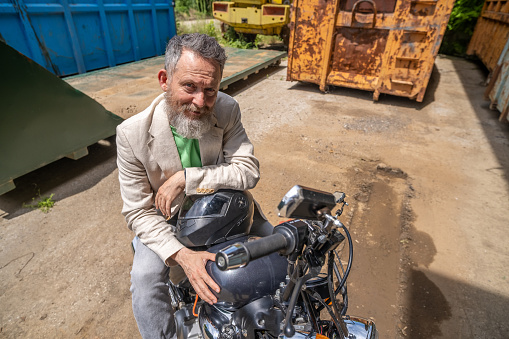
{"x":214,"y":205}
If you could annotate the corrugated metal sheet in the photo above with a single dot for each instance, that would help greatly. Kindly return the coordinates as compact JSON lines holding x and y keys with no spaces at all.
{"x":75,"y":36}
{"x":380,"y":46}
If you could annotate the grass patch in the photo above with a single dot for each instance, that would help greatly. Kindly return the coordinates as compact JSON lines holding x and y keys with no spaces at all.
{"x":267,"y":40}
{"x":202,"y":26}
{"x":44,"y":204}
{"x":230,"y":38}
{"x":190,"y":14}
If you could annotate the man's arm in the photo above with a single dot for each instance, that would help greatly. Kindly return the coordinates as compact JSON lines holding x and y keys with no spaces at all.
{"x":138,"y":197}
{"x":152,"y":228}
{"x":240,"y":169}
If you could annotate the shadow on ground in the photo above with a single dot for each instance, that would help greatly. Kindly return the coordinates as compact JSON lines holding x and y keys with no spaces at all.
{"x":384,"y":99}
{"x":63,"y":178}
{"x":497,"y":132}
{"x":429,"y":311}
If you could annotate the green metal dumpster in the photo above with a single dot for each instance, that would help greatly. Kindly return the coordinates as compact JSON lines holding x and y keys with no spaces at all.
{"x":42,"y":118}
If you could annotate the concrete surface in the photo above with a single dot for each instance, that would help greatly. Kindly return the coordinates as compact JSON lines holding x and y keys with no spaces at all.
{"x":427,"y":185}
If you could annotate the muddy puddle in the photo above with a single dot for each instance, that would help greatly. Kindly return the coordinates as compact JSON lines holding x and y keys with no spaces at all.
{"x":386,"y":284}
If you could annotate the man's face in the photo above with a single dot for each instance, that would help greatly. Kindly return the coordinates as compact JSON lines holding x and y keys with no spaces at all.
{"x":191,"y":94}
{"x":195,"y":82}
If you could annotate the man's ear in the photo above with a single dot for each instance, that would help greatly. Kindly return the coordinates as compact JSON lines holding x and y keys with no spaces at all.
{"x":162,"y":75}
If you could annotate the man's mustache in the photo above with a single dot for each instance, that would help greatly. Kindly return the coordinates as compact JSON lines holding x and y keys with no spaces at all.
{"x":194,"y":108}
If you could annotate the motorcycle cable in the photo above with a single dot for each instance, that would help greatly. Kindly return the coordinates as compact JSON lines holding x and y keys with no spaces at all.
{"x":344,"y":292}
{"x":350,"y":258}
{"x":311,"y":311}
{"x":343,"y":330}
{"x":333,"y":295}
{"x":194,"y":306}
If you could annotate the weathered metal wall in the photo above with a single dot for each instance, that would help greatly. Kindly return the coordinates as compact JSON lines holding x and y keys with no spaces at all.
{"x":498,"y":87}
{"x":384,"y":46}
{"x":490,"y":43}
{"x":491,"y":33}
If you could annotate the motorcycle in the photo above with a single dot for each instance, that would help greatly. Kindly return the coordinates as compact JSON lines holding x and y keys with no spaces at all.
{"x":291,"y":284}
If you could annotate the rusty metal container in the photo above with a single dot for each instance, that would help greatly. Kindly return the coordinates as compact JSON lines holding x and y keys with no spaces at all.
{"x":384,"y":46}
{"x":498,"y":87}
{"x":491,"y":33}
{"x":490,"y":43}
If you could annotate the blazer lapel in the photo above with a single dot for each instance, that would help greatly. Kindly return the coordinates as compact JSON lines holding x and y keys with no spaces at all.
{"x":162,"y":145}
{"x":211,"y":145}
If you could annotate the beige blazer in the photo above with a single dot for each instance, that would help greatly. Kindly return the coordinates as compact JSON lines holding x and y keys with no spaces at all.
{"x":147,"y":156}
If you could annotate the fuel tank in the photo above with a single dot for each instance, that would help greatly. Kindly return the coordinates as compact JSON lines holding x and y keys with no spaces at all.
{"x":240,"y":286}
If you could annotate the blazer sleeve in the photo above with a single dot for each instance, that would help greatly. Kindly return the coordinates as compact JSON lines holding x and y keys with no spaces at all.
{"x":138,"y":197}
{"x":240,"y":169}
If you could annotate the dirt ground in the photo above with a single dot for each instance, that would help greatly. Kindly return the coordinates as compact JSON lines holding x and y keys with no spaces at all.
{"x":427,"y":185}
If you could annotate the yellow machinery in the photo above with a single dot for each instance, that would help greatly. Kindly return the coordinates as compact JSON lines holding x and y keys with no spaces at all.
{"x":251,"y":17}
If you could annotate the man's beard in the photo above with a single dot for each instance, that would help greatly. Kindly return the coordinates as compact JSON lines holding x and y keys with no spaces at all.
{"x":185,"y":126}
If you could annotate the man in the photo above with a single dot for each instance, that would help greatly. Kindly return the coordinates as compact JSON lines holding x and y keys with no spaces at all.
{"x":189,"y":141}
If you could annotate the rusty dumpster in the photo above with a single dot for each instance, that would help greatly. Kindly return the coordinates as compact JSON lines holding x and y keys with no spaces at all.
{"x":498,"y":87}
{"x":383,"y":46}
{"x":491,"y":33}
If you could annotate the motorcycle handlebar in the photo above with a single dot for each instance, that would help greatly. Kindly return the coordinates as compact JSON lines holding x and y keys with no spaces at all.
{"x":239,"y":254}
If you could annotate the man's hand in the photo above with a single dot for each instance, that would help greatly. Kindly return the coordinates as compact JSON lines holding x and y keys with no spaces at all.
{"x":193,"y":264}
{"x":169,"y":191}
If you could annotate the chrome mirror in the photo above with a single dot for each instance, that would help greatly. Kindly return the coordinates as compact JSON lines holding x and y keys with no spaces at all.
{"x":303,"y":202}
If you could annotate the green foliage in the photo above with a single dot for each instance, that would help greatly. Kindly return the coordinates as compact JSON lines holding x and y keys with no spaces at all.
{"x":267,"y":40}
{"x":464,"y":15}
{"x":202,"y":26}
{"x":236,"y":40}
{"x":204,"y":6}
{"x":185,"y":7}
{"x":461,"y":26}
{"x":229,"y":38}
{"x":211,"y":30}
{"x":43,"y":204}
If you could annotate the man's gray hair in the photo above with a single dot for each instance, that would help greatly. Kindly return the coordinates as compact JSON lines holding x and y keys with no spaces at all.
{"x":202,"y":44}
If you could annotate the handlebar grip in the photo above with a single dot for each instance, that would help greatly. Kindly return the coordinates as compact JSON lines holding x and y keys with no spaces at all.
{"x":266,"y":245}
{"x":240,"y":254}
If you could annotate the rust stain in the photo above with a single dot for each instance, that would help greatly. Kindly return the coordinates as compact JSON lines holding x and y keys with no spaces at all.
{"x":418,"y":9}
{"x":359,"y":50}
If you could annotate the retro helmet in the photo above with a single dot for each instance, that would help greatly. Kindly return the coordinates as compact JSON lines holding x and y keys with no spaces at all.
{"x":215,"y":218}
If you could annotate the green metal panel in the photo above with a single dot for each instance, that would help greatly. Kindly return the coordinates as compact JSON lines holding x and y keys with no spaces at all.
{"x":243,"y":62}
{"x":42,"y":118}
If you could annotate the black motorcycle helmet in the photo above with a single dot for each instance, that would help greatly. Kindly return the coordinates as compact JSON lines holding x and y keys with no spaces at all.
{"x":205,"y":220}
